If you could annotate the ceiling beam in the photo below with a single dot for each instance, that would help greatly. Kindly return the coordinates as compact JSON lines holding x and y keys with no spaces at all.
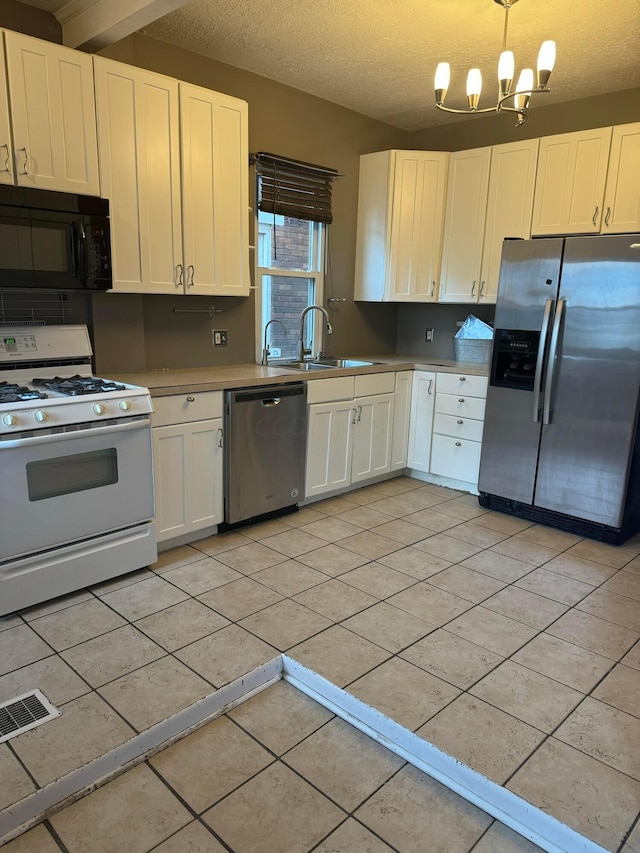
{"x":94,"y":24}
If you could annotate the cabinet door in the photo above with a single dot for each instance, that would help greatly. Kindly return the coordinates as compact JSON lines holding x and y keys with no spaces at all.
{"x":188,"y":477}
{"x":53,"y":113}
{"x":572,"y":169}
{"x":622,"y":196}
{"x":138,"y":130}
{"x":421,"y":422}
{"x":418,"y":196}
{"x":6,"y":145}
{"x":215,"y":192}
{"x":509,"y":207}
{"x":401,"y":415}
{"x":372,"y":437}
{"x":456,"y":458}
{"x":329,"y":447}
{"x":464,"y":225}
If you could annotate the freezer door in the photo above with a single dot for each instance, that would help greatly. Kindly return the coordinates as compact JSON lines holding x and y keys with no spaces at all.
{"x":593,"y":382}
{"x":529,"y":278}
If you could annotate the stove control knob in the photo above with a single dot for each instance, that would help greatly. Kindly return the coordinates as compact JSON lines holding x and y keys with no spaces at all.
{"x":9,"y":420}
{"x":124,"y":405}
{"x":98,"y":408}
{"x":41,"y":416}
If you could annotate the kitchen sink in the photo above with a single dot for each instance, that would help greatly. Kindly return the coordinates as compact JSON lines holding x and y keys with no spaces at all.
{"x":302,"y":365}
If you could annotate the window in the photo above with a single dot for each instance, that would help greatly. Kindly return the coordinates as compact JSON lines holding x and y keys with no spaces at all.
{"x":293,"y":211}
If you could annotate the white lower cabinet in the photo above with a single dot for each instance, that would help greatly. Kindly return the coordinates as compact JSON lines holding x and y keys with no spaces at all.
{"x":423,"y":392}
{"x":188,"y":455}
{"x":401,"y":416}
{"x":348,"y":440}
{"x":457,"y":426}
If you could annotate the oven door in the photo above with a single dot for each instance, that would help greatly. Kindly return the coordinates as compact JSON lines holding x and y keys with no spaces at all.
{"x":75,"y":485}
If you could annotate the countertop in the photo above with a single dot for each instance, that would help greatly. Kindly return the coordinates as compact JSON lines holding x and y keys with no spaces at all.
{"x":162,"y":383}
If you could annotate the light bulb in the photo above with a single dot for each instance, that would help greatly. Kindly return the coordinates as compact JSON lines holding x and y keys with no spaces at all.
{"x":506,"y":67}
{"x":546,"y":61}
{"x":441,"y":83}
{"x":474,"y":82}
{"x":523,"y":88}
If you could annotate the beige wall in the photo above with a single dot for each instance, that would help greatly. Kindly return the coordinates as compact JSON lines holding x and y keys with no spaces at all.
{"x":285,"y":121}
{"x":26,"y":19}
{"x":476,"y":131}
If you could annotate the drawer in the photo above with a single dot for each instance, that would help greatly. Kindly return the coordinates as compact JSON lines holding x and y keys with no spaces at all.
{"x":182,"y":408}
{"x":330,"y":390}
{"x":463,"y":384}
{"x":460,"y":406}
{"x":458,"y":427}
{"x":455,"y":458}
{"x":375,"y":383}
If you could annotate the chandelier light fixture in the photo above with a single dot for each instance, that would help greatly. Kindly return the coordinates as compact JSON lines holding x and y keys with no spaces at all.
{"x":519,"y":97}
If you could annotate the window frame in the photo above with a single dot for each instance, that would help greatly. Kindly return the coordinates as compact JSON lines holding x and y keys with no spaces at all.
{"x":317,"y":275}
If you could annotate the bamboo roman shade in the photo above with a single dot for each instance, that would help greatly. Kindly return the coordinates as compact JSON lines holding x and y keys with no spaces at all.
{"x":293,"y":188}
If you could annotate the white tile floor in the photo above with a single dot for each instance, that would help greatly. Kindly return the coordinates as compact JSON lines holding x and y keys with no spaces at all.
{"x":512,"y":646}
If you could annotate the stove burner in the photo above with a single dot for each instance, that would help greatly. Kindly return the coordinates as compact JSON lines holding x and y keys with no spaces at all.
{"x":17,"y":393}
{"x":75,"y":386}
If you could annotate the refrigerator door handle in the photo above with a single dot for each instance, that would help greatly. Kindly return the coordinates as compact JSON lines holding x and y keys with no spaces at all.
{"x":548,"y":381}
{"x":537,"y":379}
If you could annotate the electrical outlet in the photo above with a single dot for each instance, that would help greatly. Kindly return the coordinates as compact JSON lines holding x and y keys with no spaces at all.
{"x":219,"y":337}
{"x":429,"y":336}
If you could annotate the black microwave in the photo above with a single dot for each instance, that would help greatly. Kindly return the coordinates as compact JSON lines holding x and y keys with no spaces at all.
{"x":54,"y":240}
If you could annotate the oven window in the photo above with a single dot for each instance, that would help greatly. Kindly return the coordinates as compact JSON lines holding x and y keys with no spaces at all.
{"x":63,"y":475}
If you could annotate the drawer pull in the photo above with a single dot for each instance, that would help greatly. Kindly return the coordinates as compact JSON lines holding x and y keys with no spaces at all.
{"x":458,"y":444}
{"x":460,"y":422}
{"x":191,"y":399}
{"x":462,"y":378}
{"x":461,"y":399}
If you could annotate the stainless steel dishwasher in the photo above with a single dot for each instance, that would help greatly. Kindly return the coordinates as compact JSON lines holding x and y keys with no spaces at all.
{"x":265,"y":446}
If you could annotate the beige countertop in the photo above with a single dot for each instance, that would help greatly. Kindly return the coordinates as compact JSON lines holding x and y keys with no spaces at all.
{"x":164,"y":382}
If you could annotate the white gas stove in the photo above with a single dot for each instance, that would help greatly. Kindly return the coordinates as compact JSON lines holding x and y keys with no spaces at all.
{"x":76,"y":450}
{"x":46,"y":381}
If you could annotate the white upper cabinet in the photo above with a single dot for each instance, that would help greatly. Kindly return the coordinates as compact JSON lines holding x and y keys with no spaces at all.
{"x":52,"y":109}
{"x":572,"y":170}
{"x":6,"y":143}
{"x":465,"y":215}
{"x":215,"y":192}
{"x":509,"y":207}
{"x":138,"y":130}
{"x":400,"y":218}
{"x":174,"y":164}
{"x":622,"y":196}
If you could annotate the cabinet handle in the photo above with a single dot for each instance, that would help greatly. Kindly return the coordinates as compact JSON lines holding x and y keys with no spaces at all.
{"x":219,"y":436}
{"x":460,"y":422}
{"x":473,"y":288}
{"x":433,"y":285}
{"x":482,"y":284}
{"x":462,"y":378}
{"x":191,"y":280}
{"x":607,"y":217}
{"x":430,"y":386}
{"x":179,"y":273}
{"x":191,"y":399}
{"x":359,"y":413}
{"x":458,"y":444}
{"x":7,"y":162}
{"x":595,"y":214}
{"x":355,"y":415}
{"x":26,"y":161}
{"x":461,"y":399}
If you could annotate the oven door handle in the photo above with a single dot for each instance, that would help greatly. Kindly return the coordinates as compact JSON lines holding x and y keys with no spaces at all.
{"x":13,"y":443}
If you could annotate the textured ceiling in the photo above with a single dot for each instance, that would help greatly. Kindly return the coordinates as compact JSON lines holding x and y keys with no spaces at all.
{"x":378,"y":57}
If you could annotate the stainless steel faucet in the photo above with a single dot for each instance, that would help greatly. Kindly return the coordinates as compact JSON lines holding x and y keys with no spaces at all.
{"x":265,"y":349}
{"x":301,"y":348}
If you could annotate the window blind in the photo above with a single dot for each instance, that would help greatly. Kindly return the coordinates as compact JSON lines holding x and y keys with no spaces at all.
{"x":293,"y":188}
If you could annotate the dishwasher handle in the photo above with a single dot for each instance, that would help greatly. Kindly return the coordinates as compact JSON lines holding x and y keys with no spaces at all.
{"x":273,"y":401}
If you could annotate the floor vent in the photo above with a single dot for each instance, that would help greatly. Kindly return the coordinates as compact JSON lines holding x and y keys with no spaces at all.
{"x":25,"y":712}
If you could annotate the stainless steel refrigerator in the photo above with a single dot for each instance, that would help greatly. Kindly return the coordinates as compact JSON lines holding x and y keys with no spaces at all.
{"x":561,"y":436}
